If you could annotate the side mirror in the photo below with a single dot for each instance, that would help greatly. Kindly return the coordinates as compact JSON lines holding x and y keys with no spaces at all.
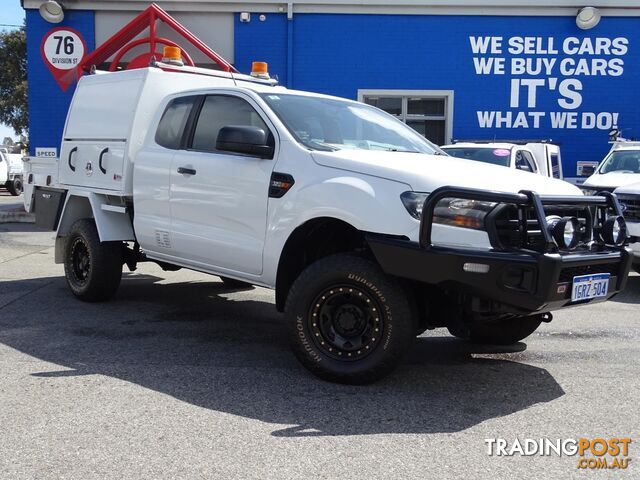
{"x":246,"y":140}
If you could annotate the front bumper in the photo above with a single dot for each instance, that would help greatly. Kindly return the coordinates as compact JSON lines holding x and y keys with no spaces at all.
{"x":520,"y":281}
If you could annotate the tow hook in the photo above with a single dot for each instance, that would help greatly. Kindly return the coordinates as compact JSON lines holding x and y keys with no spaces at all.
{"x":546,"y":317}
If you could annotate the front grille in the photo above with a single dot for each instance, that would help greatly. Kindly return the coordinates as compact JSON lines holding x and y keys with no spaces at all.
{"x":632,"y":204}
{"x":567,"y":274}
{"x":513,"y":232}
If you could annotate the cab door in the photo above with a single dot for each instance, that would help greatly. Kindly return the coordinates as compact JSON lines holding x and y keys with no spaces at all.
{"x":218,"y":200}
{"x":152,"y":174}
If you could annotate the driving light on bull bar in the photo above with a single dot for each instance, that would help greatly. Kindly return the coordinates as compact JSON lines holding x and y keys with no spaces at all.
{"x":565,"y":231}
{"x":614,"y":231}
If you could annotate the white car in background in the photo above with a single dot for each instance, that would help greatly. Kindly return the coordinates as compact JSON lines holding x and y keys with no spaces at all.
{"x":629,"y":197}
{"x":11,"y":172}
{"x":542,"y":158}
{"x":620,"y":167}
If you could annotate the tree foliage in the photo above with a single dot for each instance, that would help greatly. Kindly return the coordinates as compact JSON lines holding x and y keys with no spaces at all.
{"x":13,"y":80}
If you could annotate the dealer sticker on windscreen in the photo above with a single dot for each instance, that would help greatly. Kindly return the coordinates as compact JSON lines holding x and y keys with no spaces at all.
{"x":586,"y":287}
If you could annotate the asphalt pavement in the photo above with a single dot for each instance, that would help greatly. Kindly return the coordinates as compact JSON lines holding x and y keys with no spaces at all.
{"x":12,"y":209}
{"x":180,"y":377}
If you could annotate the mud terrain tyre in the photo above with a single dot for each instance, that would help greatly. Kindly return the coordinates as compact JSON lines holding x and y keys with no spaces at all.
{"x":93,"y":269}
{"x":348,"y":322}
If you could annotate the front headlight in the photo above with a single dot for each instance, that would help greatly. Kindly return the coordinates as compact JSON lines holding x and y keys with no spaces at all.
{"x":457,"y":212}
{"x":460,"y":212}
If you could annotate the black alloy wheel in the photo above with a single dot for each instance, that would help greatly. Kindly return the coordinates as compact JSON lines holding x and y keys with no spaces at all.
{"x":346,"y":322}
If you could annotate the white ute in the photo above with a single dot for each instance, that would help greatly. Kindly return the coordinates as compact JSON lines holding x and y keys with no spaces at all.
{"x":367,"y":232}
{"x":629,"y":196}
{"x":620,"y":167}
{"x":11,"y":172}
{"x":541,"y":157}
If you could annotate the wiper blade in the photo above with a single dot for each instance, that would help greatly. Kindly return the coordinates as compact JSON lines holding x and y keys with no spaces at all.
{"x":324,"y":146}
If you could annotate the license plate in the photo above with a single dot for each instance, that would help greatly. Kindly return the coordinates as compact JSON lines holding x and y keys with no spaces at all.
{"x":586,"y":287}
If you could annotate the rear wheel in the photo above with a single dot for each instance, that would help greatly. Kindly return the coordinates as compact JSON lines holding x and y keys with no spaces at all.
{"x":93,"y":269}
{"x":500,"y":332}
{"x":348,"y":321}
{"x":15,"y":187}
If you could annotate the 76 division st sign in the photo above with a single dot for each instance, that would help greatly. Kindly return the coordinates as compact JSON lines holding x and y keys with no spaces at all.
{"x":63,"y":49}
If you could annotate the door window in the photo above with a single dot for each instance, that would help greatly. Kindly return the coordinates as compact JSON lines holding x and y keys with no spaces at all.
{"x":171,"y":126}
{"x":222,"y":111}
{"x":555,"y":165}
{"x":530,"y":160}
{"x":523,"y":163}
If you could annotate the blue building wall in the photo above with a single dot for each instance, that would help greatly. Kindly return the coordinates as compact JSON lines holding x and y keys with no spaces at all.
{"x":48,"y":104}
{"x":339,"y":54}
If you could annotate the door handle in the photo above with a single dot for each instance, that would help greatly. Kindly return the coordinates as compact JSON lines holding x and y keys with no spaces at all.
{"x":187,"y":171}
{"x":102,"y":153}
{"x":72,"y":167}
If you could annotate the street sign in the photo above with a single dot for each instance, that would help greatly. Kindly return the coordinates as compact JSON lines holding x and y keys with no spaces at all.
{"x":63,"y":49}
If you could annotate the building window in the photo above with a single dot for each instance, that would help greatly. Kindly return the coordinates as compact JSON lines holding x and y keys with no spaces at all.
{"x":429,"y":112}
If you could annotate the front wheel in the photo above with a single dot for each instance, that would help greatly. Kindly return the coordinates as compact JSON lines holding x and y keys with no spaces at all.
{"x":15,"y":187}
{"x":348,"y":321}
{"x":504,"y":331}
{"x":93,"y":269}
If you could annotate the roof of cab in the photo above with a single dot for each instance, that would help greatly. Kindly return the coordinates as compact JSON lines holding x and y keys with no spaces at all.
{"x":194,"y":79}
{"x":626,"y":145}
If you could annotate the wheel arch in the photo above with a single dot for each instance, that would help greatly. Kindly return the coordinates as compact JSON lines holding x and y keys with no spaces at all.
{"x":311,"y":241}
{"x":113,"y":223}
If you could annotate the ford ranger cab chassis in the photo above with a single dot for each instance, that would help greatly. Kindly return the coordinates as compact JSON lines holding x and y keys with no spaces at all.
{"x":367,"y":232}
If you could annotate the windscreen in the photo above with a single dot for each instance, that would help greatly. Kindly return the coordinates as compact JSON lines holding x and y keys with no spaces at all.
{"x":622,"y":161}
{"x":495,"y":156}
{"x":331,"y":124}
